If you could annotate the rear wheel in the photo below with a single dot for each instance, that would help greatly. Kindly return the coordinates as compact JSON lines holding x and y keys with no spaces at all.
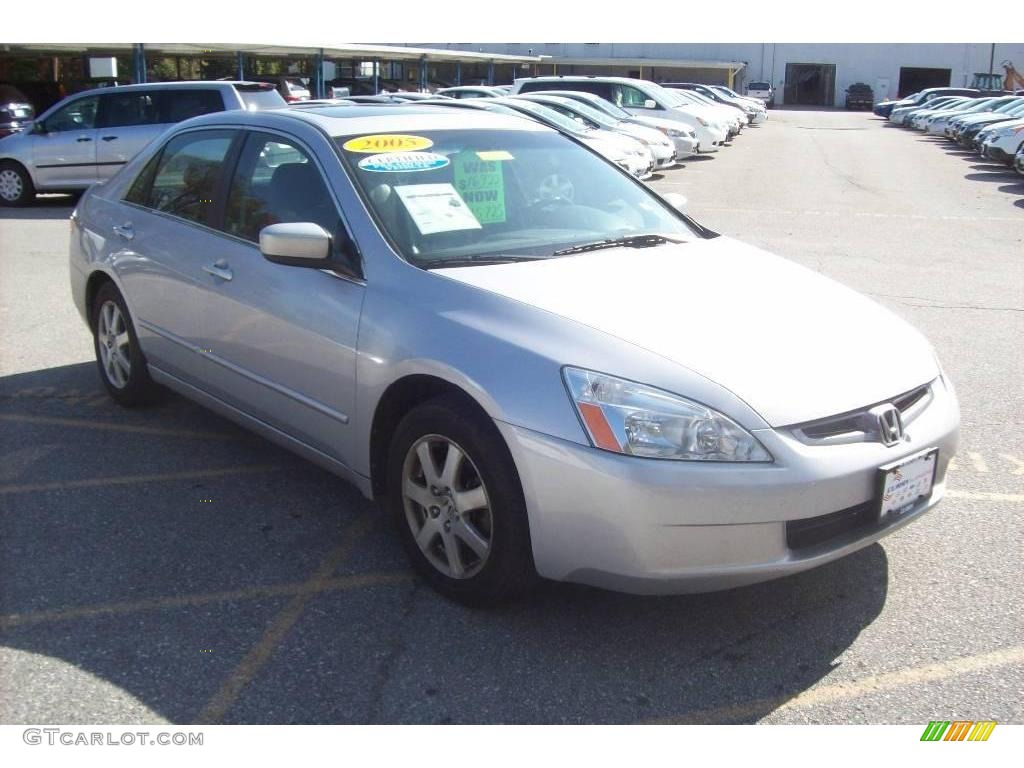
{"x":16,"y":186}
{"x":455,"y":496}
{"x":118,"y":355}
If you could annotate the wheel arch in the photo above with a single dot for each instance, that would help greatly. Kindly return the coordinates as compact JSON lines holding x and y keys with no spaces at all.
{"x":96,"y":280}
{"x":401,"y":396}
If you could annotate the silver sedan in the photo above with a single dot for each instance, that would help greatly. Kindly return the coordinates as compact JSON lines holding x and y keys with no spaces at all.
{"x":537,"y":365}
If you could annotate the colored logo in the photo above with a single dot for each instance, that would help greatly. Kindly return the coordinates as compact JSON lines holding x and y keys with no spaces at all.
{"x":403,"y":162}
{"x":958,"y":730}
{"x":387,"y":142}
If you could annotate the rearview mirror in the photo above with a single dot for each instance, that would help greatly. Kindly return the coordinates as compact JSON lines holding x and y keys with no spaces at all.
{"x":299,"y":244}
{"x":676,"y":200}
{"x":650,"y":104}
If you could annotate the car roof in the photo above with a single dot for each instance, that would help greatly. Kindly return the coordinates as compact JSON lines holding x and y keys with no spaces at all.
{"x":384,"y":118}
{"x":171,"y":86}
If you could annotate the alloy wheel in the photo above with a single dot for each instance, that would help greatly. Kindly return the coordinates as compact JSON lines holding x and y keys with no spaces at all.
{"x":447,"y":507}
{"x":114,"y":345}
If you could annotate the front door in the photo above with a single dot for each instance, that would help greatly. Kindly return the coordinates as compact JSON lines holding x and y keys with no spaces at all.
{"x":281,"y":340}
{"x":64,"y":146}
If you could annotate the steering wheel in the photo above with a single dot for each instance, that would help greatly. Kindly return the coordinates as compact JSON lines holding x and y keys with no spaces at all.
{"x":555,"y":189}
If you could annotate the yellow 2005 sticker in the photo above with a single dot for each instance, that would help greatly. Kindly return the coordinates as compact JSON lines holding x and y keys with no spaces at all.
{"x":387,"y":142}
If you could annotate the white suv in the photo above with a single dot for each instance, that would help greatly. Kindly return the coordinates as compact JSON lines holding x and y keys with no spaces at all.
{"x":87,"y":137}
{"x":763,"y":91}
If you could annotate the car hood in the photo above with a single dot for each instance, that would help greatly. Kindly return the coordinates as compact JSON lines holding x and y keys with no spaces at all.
{"x":793,"y":344}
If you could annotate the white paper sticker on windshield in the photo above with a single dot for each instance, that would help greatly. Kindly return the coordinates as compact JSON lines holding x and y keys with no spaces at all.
{"x":436,"y":208}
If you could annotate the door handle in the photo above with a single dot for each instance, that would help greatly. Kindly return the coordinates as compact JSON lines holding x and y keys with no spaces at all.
{"x":219,"y":269}
{"x":83,"y":138}
{"x":125,"y":231}
{"x":109,"y":138}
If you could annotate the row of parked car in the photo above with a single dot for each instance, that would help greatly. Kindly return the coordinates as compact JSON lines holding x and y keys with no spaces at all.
{"x":991,"y":124}
{"x":641,"y":126}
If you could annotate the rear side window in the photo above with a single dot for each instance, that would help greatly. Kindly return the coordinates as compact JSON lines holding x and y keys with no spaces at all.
{"x":121,"y":110}
{"x":178,"y":105}
{"x":187,"y":175}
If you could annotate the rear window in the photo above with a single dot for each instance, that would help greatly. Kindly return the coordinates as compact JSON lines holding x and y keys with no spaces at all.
{"x":759,"y":86}
{"x":260,"y":96}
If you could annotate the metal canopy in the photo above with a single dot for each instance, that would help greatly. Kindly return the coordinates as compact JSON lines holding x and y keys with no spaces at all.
{"x":338,"y":50}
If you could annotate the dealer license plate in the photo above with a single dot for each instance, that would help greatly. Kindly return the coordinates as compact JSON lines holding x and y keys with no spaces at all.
{"x":906,"y":481}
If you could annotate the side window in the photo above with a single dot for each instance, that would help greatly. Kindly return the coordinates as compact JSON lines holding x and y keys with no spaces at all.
{"x":631,"y":97}
{"x":188,"y":172}
{"x":128,"y":108}
{"x":79,"y":115}
{"x":275,"y":183}
{"x":181,"y":104}
{"x":138,"y":192}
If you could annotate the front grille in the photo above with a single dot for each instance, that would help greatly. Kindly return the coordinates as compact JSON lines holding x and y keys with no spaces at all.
{"x":814,"y":531}
{"x":855,"y":426}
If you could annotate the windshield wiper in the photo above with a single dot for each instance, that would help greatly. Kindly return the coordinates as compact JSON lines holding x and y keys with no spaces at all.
{"x":629,"y":241}
{"x":479,"y":261}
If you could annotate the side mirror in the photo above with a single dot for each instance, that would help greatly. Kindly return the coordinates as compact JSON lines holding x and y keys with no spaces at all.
{"x":650,"y":104}
{"x":676,"y":200}
{"x":301,"y":244}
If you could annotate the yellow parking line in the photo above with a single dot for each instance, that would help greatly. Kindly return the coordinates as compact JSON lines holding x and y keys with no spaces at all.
{"x":985,"y":496}
{"x":95,"y":482}
{"x":110,"y":426}
{"x":827,"y":694}
{"x":356,"y":581}
{"x":279,"y":627}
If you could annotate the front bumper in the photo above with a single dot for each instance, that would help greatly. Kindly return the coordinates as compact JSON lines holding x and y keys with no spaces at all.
{"x":658,"y":527}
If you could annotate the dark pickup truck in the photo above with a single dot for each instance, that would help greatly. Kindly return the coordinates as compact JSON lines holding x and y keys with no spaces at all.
{"x":860,"y":96}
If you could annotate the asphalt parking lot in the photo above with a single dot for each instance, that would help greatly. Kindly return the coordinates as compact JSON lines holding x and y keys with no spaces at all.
{"x":163,"y":565}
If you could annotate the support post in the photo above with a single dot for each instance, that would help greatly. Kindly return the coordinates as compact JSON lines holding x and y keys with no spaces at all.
{"x":376,"y":77}
{"x":240,"y":62}
{"x":318,"y":74}
{"x":423,"y":73}
{"x":139,"y":62}
{"x":458,"y":73}
{"x":490,"y":72}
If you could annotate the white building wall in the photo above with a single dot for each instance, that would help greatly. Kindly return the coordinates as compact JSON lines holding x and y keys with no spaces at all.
{"x":855,"y":62}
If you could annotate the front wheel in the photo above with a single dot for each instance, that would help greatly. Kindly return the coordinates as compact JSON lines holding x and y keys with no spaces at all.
{"x":455,"y":496}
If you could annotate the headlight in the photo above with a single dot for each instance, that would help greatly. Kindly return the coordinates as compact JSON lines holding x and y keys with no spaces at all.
{"x":625,"y":417}
{"x":703,"y":122}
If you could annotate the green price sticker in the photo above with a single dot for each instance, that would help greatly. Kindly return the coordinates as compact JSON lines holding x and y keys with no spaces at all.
{"x":481,"y":184}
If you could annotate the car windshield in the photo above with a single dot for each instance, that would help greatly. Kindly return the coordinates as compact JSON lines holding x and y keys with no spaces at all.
{"x":605,"y":106}
{"x":545,"y":114}
{"x":587,"y":113}
{"x":468,"y":197}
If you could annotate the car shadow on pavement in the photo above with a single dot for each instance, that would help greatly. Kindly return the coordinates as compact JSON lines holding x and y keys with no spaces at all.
{"x":44,"y":207}
{"x":992,"y":173}
{"x":169,"y":554}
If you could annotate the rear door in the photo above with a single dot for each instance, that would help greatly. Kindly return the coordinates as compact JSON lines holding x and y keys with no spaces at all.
{"x":281,"y":340}
{"x":64,"y":149}
{"x":128,"y":121}
{"x":165,"y":239}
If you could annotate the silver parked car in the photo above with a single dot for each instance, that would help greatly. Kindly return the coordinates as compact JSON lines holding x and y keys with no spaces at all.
{"x":87,"y":137}
{"x":536,"y":364}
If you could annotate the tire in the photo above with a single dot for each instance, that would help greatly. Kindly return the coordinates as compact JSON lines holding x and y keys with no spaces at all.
{"x":490,"y":543}
{"x":119,"y":359}
{"x":16,"y":188}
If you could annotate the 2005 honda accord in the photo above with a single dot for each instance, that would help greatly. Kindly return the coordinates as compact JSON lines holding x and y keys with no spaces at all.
{"x":539,"y":366}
